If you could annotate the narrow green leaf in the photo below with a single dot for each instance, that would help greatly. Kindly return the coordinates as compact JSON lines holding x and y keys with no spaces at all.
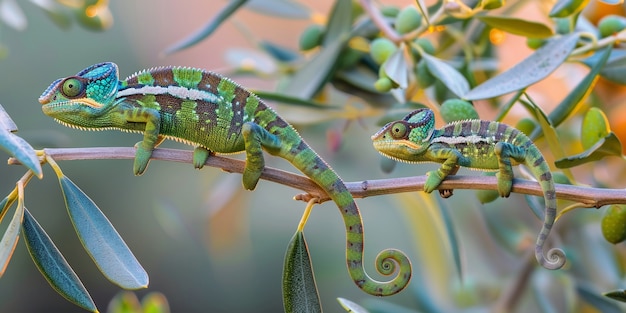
{"x":16,"y":146}
{"x":447,"y":74}
{"x":209,"y":28}
{"x":579,"y":93}
{"x":278,"y":52}
{"x":299,"y":289}
{"x":311,"y":77}
{"x":452,"y":237}
{"x":614,"y":68}
{"x":53,"y":266}
{"x":6,"y":123}
{"x":423,"y":8}
{"x":529,"y":71}
{"x":548,"y":131}
{"x":10,"y":237}
{"x":351,"y":306}
{"x":282,"y":98}
{"x":619,"y":295}
{"x":565,"y":8}
{"x":339,"y":22}
{"x":101,"y":240}
{"x":517,"y":26}
{"x":280,"y":8}
{"x":588,"y":294}
{"x":396,"y":68}
{"x":607,"y":146}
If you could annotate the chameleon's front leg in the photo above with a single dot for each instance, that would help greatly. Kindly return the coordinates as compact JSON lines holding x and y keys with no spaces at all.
{"x":152,"y":120}
{"x":255,"y":139}
{"x":504,"y":152}
{"x":449,"y":166}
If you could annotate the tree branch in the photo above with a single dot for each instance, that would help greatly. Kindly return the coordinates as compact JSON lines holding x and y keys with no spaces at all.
{"x":587,"y":196}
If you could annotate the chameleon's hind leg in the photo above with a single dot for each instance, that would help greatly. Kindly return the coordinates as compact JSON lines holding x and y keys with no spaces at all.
{"x":256,"y":138}
{"x":447,"y":193}
{"x":505,"y":152}
{"x":200,"y":156}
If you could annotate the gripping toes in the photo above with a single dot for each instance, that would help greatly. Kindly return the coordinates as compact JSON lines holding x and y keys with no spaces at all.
{"x":432,"y":182}
{"x":142,"y":158}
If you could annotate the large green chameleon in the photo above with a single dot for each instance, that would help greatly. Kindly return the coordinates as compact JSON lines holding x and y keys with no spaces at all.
{"x":476,"y":144}
{"x":215,"y":115}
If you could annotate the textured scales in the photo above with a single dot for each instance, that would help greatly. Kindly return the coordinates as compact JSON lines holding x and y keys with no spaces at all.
{"x":476,"y":144}
{"x":216,"y":115}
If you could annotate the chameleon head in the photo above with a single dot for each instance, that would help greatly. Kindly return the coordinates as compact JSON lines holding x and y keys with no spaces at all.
{"x":404,"y":139}
{"x":84,"y":97}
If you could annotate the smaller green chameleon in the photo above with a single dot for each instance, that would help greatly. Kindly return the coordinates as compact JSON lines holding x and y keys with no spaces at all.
{"x":476,"y":144}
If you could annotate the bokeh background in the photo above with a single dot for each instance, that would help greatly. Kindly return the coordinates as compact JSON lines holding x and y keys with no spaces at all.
{"x":208,"y":245}
{"x":230,"y":264}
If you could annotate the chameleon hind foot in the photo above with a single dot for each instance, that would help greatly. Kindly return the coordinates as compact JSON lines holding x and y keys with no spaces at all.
{"x":200,"y":156}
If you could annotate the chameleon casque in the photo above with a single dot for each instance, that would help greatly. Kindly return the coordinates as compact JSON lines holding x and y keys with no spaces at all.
{"x":215,"y":115}
{"x":476,"y":144}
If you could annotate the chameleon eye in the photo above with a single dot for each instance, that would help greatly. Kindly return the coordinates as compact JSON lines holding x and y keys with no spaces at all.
{"x":398,"y":130}
{"x":72,"y":87}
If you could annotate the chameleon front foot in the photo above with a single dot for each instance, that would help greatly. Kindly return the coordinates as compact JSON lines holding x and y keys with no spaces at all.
{"x":433,"y":181}
{"x":142,"y":158}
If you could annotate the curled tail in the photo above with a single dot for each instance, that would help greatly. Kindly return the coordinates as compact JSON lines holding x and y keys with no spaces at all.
{"x":388,"y":261}
{"x":555,"y":258}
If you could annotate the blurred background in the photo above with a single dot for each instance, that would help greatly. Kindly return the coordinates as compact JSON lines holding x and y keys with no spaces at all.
{"x":210,"y":246}
{"x":233,"y":264}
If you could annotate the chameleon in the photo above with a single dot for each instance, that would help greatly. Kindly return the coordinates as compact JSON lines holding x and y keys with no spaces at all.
{"x":216,"y":116}
{"x":476,"y":144}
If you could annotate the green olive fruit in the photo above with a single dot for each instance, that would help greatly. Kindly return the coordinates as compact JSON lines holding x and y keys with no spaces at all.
{"x":457,"y":110}
{"x":383,"y":84}
{"x":311,"y":37}
{"x":492,"y":4}
{"x":595,"y":126}
{"x":423,"y":75}
{"x":611,"y":24}
{"x":560,"y":178}
{"x":535,"y":43}
{"x":390,"y":11}
{"x":614,"y":224}
{"x":408,"y":19}
{"x":526,"y":126}
{"x":426,"y":45}
{"x":381,"y":48}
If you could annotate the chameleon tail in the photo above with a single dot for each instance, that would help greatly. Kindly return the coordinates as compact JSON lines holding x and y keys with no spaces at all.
{"x":555,"y":257}
{"x":387,"y":261}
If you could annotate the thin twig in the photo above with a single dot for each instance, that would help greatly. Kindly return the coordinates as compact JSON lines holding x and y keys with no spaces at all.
{"x":586,"y":196}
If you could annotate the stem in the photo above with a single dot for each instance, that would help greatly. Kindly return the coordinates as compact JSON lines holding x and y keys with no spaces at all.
{"x":585,"y":196}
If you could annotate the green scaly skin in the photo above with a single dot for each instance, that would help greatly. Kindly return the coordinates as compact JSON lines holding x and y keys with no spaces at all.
{"x":215,"y":115}
{"x":477,"y":144}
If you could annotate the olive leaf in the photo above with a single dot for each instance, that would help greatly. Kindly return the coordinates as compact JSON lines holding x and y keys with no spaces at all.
{"x":529,"y":71}
{"x":53,"y":265}
{"x":16,"y":146}
{"x":517,"y":26}
{"x":607,"y":146}
{"x":101,"y":240}
{"x":299,"y":289}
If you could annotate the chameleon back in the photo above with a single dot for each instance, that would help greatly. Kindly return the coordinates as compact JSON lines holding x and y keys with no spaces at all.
{"x":194,"y":103}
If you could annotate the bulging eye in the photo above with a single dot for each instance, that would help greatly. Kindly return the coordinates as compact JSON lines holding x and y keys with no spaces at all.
{"x":398,"y":130}
{"x":72,"y":87}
